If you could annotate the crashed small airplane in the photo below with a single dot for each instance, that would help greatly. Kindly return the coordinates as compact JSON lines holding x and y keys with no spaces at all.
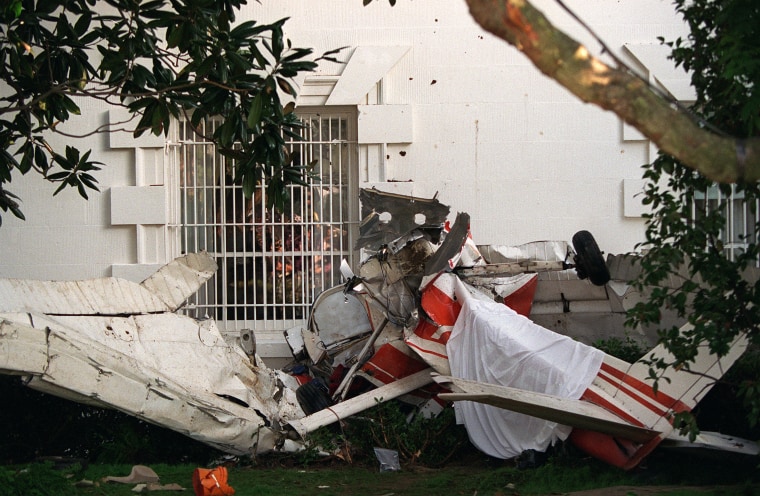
{"x":429,"y":318}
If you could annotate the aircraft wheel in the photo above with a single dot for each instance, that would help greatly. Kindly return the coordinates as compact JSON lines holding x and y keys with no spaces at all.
{"x":589,"y":262}
{"x":312,"y":397}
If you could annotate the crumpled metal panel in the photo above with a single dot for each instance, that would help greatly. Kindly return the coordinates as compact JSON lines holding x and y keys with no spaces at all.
{"x":166,"y":369}
{"x":451,"y":246}
{"x":106,"y":296}
{"x":176,"y":281}
{"x":23,"y":349}
{"x":406,"y":213}
{"x":547,"y":251}
{"x":113,"y":343}
{"x":164,"y":291}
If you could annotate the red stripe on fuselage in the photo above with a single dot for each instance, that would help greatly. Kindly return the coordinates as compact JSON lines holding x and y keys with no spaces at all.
{"x":657,"y":409}
{"x":664,"y":401}
{"x":595,"y":398}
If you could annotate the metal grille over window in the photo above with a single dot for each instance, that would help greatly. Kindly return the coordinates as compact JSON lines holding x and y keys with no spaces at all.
{"x":272,"y":264}
{"x":741,"y":217}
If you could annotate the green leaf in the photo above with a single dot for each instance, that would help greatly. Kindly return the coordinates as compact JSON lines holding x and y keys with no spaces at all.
{"x":69,"y":105}
{"x":89,"y":181}
{"x":15,"y":7}
{"x":41,"y":158}
{"x":255,"y":111}
{"x":285,"y":86}
{"x":58,"y":176}
{"x":226,"y":132}
{"x":247,"y":30}
{"x":82,"y":191}
{"x":297,"y":53}
{"x":277,"y":42}
{"x":249,"y":185}
{"x":175,"y":34}
{"x":82,"y":24}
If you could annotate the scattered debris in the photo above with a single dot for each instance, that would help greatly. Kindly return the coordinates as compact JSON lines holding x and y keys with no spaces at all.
{"x":139,"y":474}
{"x":389,"y":461}
{"x":211,"y":482}
{"x":150,"y":487}
{"x":422,"y":305}
{"x":144,"y":478}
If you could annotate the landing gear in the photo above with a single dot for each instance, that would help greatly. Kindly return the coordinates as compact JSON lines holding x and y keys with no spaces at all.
{"x":313,"y":396}
{"x":589,"y":262}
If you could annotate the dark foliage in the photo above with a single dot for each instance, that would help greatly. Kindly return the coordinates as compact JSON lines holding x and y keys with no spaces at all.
{"x":158,"y":60}
{"x":40,"y":425}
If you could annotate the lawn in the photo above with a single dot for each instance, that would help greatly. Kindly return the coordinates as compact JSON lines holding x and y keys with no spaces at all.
{"x":674,"y":474}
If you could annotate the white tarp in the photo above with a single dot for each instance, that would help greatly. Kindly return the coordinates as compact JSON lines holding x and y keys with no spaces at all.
{"x":492,"y":343}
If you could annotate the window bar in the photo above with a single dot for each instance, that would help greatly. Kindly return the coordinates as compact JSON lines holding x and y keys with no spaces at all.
{"x":288,"y":247}
{"x":283,"y":250}
{"x":208,"y":208}
{"x":722,"y":203}
{"x":305,"y":262}
{"x":220,"y":288}
{"x":341,"y":193}
{"x":324,"y":161}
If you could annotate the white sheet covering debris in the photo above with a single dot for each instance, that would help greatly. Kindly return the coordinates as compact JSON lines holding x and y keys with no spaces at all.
{"x":492,"y":343}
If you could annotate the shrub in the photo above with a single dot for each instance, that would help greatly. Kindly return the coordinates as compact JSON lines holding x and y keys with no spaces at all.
{"x":397,"y":426}
{"x":37,"y":424}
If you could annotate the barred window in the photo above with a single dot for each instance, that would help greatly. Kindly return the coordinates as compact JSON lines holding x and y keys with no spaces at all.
{"x":272,"y":264}
{"x":741,"y":217}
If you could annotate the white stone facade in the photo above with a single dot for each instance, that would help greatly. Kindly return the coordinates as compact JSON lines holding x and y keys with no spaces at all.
{"x":443,"y":107}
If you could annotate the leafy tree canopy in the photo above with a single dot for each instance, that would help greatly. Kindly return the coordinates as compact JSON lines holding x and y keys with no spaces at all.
{"x":701,"y":248}
{"x":158,"y":59}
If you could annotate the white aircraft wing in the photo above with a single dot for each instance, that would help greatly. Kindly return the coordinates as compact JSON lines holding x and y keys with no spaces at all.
{"x":164,"y":291}
{"x":574,"y":413}
{"x":713,"y":441}
{"x":181,"y":278}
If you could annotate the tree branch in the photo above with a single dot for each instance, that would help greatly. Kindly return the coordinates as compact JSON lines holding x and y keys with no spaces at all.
{"x":720,"y":158}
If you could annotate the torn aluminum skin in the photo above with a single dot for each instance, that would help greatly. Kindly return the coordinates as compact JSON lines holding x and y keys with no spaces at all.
{"x":117,"y":344}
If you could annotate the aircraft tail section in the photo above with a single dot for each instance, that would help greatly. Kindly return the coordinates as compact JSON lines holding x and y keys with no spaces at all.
{"x":628,"y":389}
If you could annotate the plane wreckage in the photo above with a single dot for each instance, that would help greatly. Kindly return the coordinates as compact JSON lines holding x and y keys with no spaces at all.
{"x":428,"y":317}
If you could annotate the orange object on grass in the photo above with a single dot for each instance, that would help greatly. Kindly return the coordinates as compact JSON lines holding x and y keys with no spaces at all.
{"x":211,"y":482}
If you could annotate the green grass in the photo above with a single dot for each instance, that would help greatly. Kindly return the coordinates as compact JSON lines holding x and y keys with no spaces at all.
{"x":565,"y":471}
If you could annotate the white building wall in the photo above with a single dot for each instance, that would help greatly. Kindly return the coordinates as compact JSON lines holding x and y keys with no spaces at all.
{"x":492,"y":135}
{"x":64,"y":236}
{"x":489,"y":134}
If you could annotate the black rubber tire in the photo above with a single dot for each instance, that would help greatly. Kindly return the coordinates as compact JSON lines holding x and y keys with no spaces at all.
{"x":312,"y":397}
{"x":589,"y":262}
